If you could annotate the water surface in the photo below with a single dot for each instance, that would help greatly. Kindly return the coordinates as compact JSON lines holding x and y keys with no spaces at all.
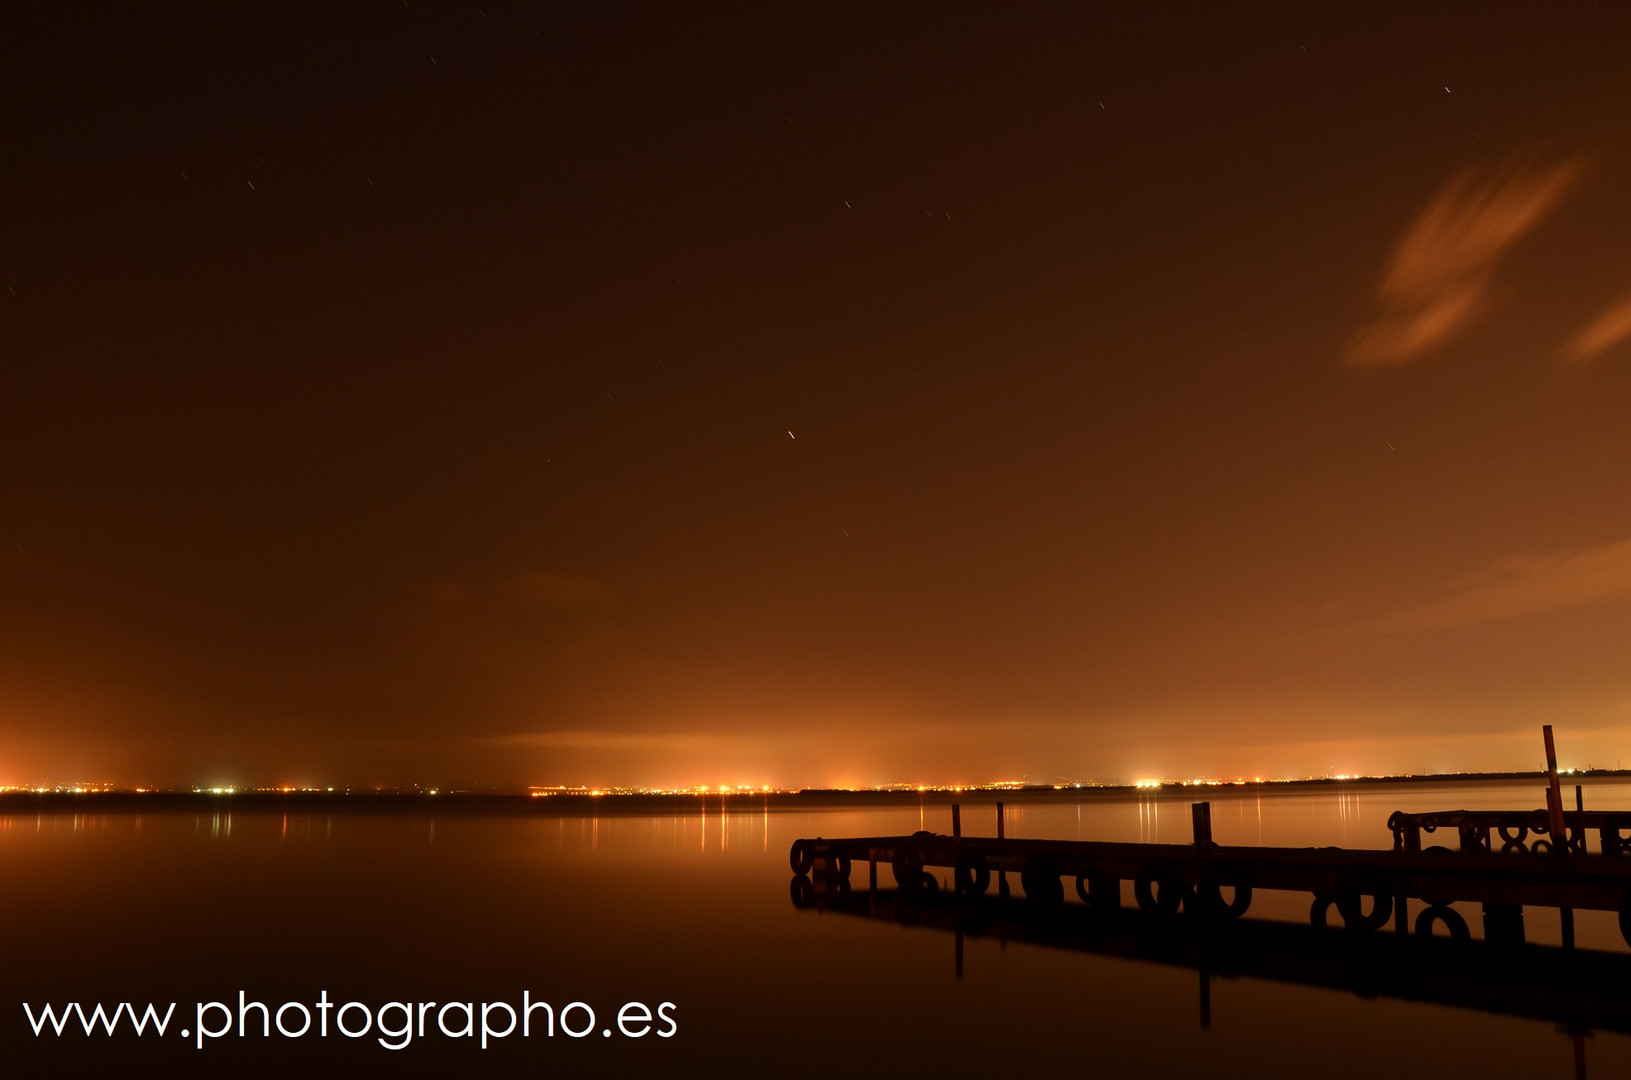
{"x":693,"y":908}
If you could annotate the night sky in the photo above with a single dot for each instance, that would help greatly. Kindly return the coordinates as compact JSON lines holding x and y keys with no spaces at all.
{"x":809,"y":394}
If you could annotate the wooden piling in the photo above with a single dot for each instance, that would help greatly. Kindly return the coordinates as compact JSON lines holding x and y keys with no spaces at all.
{"x":1200,"y":818}
{"x":956,"y":821}
{"x":1554,"y":796}
{"x":1002,"y":874}
{"x":1560,"y":835}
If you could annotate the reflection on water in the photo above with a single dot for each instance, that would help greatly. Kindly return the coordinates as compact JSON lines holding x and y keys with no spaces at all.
{"x":1576,"y":991}
{"x":1149,"y":819}
{"x":690,"y":906}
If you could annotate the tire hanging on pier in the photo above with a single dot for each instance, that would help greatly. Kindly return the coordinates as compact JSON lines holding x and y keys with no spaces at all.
{"x":837,"y":864}
{"x":802,"y":857}
{"x":907,"y":864}
{"x":973,"y":873}
{"x":1159,"y":890}
{"x":1099,"y":891}
{"x":1350,"y":894}
{"x":1210,"y":893}
{"x":1319,"y":911}
{"x":1442,"y":913}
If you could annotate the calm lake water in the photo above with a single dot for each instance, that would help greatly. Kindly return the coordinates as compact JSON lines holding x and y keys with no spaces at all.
{"x":633,"y":910}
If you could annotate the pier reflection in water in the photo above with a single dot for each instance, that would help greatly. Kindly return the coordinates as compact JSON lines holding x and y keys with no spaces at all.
{"x":1578,"y":991}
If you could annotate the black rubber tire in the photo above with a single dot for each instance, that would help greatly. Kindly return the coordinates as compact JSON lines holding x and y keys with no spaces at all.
{"x":1101,"y":893}
{"x":908,"y":867}
{"x":1349,"y":904}
{"x":1210,"y":895}
{"x":973,"y":873}
{"x":802,"y":856}
{"x":802,"y":891}
{"x":1319,"y":912}
{"x":837,"y":865}
{"x":1444,"y":913}
{"x":1396,"y":826}
{"x":1158,"y":890}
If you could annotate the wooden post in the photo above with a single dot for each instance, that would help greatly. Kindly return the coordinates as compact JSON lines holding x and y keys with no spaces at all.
{"x":1554,"y":796}
{"x":1560,"y":835}
{"x":1002,"y":875}
{"x":1579,"y":823}
{"x":1200,"y":817}
{"x":956,"y":821}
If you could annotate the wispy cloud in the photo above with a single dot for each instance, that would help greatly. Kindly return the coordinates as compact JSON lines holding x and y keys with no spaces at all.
{"x":1611,"y":326}
{"x":1438,"y":282}
{"x":1522,"y":586}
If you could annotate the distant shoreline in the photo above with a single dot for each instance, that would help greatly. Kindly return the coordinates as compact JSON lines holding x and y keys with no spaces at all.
{"x":559,"y":801}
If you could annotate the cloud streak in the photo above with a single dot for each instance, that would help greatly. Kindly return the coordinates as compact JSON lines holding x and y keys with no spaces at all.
{"x":1611,"y":326}
{"x":1438,"y":281}
{"x":1521,"y":587}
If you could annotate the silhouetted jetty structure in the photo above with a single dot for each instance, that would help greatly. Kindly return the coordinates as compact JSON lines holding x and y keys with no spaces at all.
{"x":1515,"y":832}
{"x":1366,"y":888}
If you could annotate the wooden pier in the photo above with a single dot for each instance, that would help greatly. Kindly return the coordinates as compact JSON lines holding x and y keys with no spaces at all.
{"x":1366,"y":888}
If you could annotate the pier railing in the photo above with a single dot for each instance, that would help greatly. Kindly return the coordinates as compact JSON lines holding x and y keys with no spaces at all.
{"x":1514,"y":832}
